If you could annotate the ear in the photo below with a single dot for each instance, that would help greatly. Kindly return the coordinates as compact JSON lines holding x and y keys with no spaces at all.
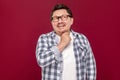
{"x":72,"y":20}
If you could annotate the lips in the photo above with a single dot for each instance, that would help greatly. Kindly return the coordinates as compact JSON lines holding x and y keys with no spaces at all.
{"x":61,"y":24}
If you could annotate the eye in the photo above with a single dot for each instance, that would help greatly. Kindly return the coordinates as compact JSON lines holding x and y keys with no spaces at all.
{"x":62,"y":17}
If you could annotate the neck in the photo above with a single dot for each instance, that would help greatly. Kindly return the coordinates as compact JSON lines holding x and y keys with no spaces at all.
{"x":60,"y":33}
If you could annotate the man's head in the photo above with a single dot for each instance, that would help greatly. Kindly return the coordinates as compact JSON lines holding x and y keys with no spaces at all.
{"x":61,"y":18}
{"x":61,"y":6}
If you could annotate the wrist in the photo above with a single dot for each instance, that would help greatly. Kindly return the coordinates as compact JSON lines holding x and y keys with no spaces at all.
{"x":61,"y":47}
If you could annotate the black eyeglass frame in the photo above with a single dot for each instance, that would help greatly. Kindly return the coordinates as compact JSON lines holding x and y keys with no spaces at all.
{"x":62,"y":17}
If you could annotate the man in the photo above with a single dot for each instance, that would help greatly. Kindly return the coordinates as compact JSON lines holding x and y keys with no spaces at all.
{"x":64,"y":54}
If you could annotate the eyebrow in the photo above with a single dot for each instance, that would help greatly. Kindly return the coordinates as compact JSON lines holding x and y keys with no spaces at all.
{"x":60,"y":15}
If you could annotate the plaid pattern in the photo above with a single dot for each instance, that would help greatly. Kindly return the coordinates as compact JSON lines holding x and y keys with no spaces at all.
{"x":50,"y":59}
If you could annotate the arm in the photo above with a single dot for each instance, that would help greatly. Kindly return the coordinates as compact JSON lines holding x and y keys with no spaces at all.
{"x":45,"y":54}
{"x":90,"y":64}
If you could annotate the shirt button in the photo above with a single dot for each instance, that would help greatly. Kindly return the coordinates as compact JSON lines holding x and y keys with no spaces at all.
{"x":60,"y":71}
{"x":61,"y":61}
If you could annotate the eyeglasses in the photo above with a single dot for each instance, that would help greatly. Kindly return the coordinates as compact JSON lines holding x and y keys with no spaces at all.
{"x":63,"y":17}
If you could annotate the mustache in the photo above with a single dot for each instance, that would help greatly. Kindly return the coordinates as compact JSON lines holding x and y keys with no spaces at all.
{"x":61,"y":24}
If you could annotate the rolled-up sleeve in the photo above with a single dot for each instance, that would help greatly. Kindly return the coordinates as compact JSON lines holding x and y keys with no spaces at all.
{"x":45,"y":54}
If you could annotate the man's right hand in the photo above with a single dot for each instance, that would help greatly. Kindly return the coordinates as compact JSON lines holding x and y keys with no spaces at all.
{"x":65,"y":40}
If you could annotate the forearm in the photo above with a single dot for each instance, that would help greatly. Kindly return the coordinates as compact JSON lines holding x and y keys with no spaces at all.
{"x":91,"y":66}
{"x":61,"y":46}
{"x":45,"y":57}
{"x":91,"y":71}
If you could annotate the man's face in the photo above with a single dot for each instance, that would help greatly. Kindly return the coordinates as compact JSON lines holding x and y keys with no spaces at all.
{"x":61,"y":21}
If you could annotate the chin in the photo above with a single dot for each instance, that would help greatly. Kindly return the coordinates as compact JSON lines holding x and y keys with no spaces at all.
{"x":62,"y":30}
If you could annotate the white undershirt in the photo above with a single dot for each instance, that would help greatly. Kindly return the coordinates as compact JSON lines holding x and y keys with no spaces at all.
{"x":69,"y":66}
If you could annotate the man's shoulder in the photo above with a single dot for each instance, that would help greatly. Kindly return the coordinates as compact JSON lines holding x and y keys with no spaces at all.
{"x":78,"y":34}
{"x":49,"y":34}
{"x":81,"y":38}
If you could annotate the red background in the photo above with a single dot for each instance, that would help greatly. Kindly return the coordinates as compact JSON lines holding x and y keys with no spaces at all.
{"x":22,"y":21}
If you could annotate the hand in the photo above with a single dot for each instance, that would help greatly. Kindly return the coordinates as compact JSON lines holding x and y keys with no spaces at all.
{"x":65,"y":40}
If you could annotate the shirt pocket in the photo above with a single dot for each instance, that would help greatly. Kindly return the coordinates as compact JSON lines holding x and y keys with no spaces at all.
{"x":82,"y":53}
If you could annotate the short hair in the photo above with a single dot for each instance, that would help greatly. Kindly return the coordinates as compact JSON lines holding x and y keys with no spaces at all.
{"x":61,"y":6}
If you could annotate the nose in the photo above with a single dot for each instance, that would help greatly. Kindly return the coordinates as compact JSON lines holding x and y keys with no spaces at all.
{"x":59,"y":20}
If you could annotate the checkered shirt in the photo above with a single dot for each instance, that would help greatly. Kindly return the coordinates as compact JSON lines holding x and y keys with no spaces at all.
{"x":50,"y":59}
